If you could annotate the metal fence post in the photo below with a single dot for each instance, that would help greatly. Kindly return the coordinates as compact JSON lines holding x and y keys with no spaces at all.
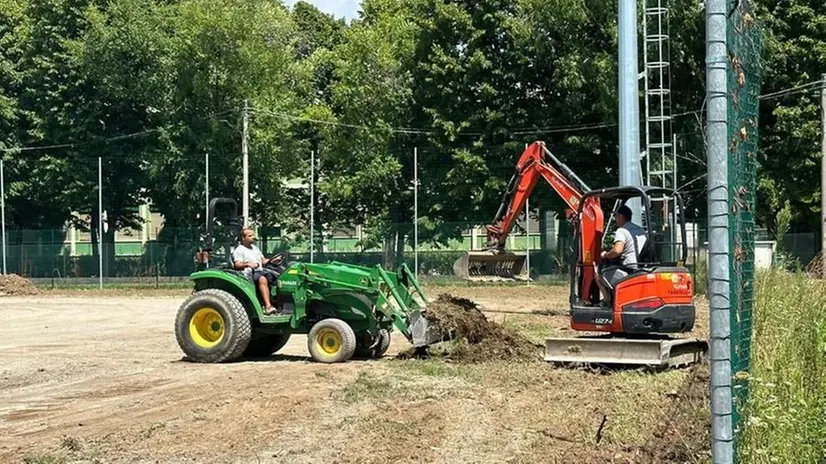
{"x":719,"y":280}
{"x":822,"y":174}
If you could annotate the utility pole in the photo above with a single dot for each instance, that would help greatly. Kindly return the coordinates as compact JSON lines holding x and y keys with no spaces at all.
{"x":206,"y":190}
{"x":3,"y":211}
{"x":245,"y":154}
{"x":629,"y":110}
{"x":528,"y":235}
{"x":528,"y":238}
{"x":416,"y":209}
{"x":823,"y":174}
{"x":312,"y":203}
{"x":100,"y":220}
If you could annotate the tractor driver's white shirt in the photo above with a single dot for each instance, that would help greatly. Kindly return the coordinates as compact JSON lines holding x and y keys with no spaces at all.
{"x":626,"y":235}
{"x":244,"y":254}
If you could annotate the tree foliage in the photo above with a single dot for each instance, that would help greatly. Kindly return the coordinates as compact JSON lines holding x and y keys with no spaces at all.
{"x":154,"y":86}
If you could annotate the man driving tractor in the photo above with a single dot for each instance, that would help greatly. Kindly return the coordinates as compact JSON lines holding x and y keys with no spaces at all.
{"x":247,"y":258}
{"x":628,"y":241}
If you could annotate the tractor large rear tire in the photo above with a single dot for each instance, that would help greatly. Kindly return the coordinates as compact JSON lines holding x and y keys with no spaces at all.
{"x":266,"y":345}
{"x":331,"y":341}
{"x":212,"y":327}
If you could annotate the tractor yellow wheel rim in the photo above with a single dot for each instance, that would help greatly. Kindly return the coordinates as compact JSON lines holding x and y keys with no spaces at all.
{"x":329,"y":341}
{"x":206,"y":327}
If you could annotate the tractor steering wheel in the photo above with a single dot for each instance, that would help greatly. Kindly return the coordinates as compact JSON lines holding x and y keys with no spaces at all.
{"x":275,"y":261}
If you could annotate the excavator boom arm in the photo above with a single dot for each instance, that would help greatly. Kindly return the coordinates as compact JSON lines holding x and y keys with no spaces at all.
{"x":538,"y":162}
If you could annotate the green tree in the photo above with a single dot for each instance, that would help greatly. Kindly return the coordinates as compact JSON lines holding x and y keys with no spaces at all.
{"x":315,"y":29}
{"x":224,"y":53}
{"x":121,"y":62}
{"x":365,"y":159}
{"x":789,"y":154}
{"x":44,"y":187}
{"x":493,"y":75}
{"x":11,"y":51}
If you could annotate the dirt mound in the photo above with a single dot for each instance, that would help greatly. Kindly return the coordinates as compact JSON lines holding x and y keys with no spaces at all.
{"x":14,"y":285}
{"x":476,"y":338}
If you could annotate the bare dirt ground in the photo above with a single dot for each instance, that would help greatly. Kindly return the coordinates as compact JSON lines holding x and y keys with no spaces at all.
{"x":100,"y":378}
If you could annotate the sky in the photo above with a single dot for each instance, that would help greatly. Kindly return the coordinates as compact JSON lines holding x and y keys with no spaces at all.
{"x":338,"y":8}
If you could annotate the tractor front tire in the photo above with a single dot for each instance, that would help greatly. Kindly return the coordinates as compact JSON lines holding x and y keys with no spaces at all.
{"x":331,"y":341}
{"x":363,"y":349}
{"x":383,"y":345}
{"x":212,"y":327}
{"x":266,"y":345}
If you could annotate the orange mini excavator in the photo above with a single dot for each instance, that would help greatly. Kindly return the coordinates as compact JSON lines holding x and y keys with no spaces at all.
{"x":654,"y":299}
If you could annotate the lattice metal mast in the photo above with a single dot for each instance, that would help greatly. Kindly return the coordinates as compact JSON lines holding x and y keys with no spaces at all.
{"x":660,"y":150}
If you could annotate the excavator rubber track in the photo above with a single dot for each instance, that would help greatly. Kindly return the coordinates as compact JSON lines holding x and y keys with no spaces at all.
{"x":490,"y":266}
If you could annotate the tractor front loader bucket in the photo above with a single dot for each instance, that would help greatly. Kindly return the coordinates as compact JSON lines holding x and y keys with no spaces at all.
{"x":490,"y":266}
{"x":424,"y":332}
{"x":409,"y":314}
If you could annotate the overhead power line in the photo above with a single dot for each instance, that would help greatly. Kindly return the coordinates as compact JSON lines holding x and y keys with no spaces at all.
{"x":784,"y":92}
{"x":105,"y":140}
{"x":401,"y":130}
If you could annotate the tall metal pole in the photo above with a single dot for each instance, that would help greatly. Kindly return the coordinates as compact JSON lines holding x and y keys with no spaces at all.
{"x":528,"y":238}
{"x":719,"y":280}
{"x":527,"y":234}
{"x":416,"y":209}
{"x":245,"y":154}
{"x":629,"y":107}
{"x":822,"y":176}
{"x":312,"y":203}
{"x":100,"y":221}
{"x":206,"y":190}
{"x":3,"y":211}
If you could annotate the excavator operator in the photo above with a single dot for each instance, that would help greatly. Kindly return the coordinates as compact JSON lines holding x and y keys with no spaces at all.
{"x":628,"y":241}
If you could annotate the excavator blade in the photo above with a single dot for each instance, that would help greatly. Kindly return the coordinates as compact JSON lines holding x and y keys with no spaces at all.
{"x":490,"y":266}
{"x":656,"y":353}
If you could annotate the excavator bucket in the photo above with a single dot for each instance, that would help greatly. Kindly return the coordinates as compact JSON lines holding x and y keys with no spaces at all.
{"x":490,"y":266}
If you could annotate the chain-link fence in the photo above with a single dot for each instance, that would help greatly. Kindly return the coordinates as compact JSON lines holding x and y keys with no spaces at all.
{"x":744,"y":80}
{"x":154,"y":253}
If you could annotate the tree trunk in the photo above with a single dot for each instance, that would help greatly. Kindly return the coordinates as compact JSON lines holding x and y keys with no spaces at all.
{"x":399,"y":249}
{"x":390,"y":248}
{"x":95,"y":238}
{"x":565,"y":243}
{"x":109,"y":252}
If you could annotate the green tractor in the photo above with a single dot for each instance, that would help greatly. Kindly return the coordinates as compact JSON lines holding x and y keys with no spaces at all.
{"x":345,"y":310}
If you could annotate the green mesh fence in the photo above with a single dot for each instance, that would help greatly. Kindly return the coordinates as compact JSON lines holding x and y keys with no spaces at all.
{"x":744,"y":94}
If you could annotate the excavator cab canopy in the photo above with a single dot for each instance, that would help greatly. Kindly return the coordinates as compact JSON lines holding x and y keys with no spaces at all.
{"x":658,"y":210}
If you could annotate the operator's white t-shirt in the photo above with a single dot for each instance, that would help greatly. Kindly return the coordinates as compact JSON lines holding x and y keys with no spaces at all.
{"x":252,"y":254}
{"x":627,"y":235}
